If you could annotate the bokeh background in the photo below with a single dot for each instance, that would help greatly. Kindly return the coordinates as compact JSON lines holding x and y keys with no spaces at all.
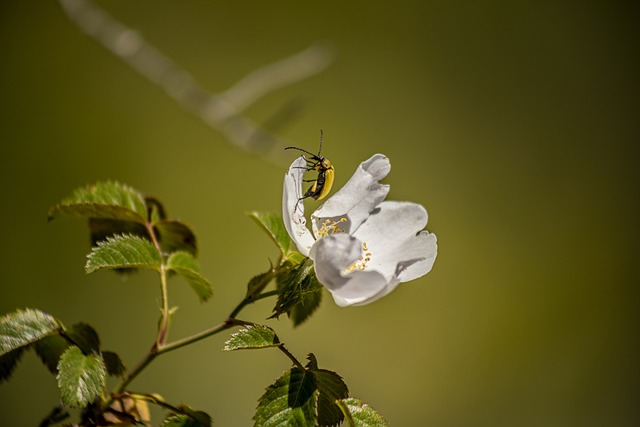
{"x":514,"y":123}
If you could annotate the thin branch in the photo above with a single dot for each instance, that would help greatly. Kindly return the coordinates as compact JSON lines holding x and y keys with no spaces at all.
{"x":295,"y":361}
{"x":222,"y":111}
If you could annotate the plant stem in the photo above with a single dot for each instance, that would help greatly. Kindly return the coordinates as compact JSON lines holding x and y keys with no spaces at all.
{"x":290,"y":356}
{"x":163,"y":329}
{"x":133,"y":374}
{"x":249,"y":300}
{"x":152,"y":399}
{"x":161,"y":348}
{"x":229,"y":323}
{"x":199,"y":336}
{"x":164,"y":323}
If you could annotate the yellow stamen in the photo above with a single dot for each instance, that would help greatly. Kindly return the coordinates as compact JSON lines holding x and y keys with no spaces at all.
{"x":362,"y":262}
{"x":330,"y":227}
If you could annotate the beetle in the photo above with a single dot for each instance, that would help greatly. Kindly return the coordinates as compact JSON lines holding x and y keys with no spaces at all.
{"x":326,"y":172}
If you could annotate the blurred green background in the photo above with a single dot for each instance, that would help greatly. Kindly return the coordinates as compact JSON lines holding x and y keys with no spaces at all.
{"x":514,"y":123}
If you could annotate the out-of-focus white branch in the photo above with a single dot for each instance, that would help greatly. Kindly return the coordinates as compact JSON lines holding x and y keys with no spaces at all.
{"x":220,"y":111}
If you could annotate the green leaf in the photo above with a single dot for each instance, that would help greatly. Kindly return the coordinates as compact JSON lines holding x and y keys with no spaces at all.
{"x":251,"y":337}
{"x":298,"y":294}
{"x":24,"y":327}
{"x":81,"y":379}
{"x":359,"y":414}
{"x":175,"y":236}
{"x":103,"y":228}
{"x":290,"y":401}
{"x":8,"y":363}
{"x":49,"y":349}
{"x":124,"y":251}
{"x":201,"y":417}
{"x":310,"y":300}
{"x":108,"y":199}
{"x":183,"y":420}
{"x":186,"y":266}
{"x":331,"y":387}
{"x":259,"y":282}
{"x":274,"y":227}
{"x":155,"y":209}
{"x":113,"y":364}
{"x":85,"y":337}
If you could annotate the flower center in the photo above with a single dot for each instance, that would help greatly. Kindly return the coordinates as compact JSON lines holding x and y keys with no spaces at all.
{"x":330,"y":227}
{"x":363,"y":261}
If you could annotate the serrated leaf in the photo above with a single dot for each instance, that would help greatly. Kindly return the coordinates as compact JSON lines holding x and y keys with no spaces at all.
{"x":49,"y":349}
{"x":331,"y":387}
{"x":84,"y":336}
{"x":108,"y":199}
{"x":310,"y":300}
{"x":113,"y":364}
{"x":186,"y":266}
{"x":24,"y":327}
{"x":274,"y":227}
{"x":175,"y":236}
{"x":299,"y":291}
{"x":259,"y":282}
{"x":81,"y":378}
{"x":252,"y":337}
{"x":8,"y":363}
{"x":359,"y":414}
{"x":125,"y":251}
{"x":102,"y":228}
{"x":290,"y":401}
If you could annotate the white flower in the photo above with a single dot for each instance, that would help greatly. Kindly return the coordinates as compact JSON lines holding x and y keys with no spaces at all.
{"x":362,"y":246}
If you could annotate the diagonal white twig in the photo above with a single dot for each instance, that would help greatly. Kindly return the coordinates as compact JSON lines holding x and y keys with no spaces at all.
{"x":222,"y":111}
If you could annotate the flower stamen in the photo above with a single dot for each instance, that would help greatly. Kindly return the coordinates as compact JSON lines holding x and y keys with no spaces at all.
{"x":362,"y":262}
{"x":330,"y":227}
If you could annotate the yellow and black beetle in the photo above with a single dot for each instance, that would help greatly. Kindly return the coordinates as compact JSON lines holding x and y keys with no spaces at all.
{"x":323,"y":183}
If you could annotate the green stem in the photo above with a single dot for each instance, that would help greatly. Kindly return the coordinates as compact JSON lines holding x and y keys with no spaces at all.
{"x":290,"y":356}
{"x":133,"y":374}
{"x":249,"y":300}
{"x":159,"y":348}
{"x":229,"y":323}
{"x":199,"y":336}
{"x":163,"y":329}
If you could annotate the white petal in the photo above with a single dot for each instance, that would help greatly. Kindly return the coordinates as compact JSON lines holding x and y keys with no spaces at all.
{"x":363,"y":287}
{"x":293,"y":207}
{"x":332,"y":255}
{"x":422,"y":251}
{"x":359,"y":196}
{"x":398,"y":247}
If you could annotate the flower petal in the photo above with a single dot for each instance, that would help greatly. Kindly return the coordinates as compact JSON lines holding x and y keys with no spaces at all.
{"x":293,"y":207}
{"x":332,"y":255}
{"x":363,"y":287}
{"x":398,"y":247}
{"x":359,"y":196}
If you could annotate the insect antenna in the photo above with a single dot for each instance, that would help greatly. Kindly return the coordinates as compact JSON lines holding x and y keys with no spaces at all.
{"x":314,"y":156}
{"x":321,"y":135}
{"x":300,"y":149}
